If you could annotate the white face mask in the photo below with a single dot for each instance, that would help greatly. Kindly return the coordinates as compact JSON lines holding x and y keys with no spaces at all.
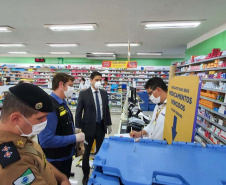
{"x":69,"y":92}
{"x":36,"y":129}
{"x":97,"y":85}
{"x":154,"y":100}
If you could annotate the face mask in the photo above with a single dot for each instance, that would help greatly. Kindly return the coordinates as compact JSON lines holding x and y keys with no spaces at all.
{"x":97,"y":85}
{"x":69,"y":92}
{"x":154,"y":100}
{"x":36,"y":129}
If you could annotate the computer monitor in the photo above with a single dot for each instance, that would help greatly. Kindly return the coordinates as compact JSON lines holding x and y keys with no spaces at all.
{"x":132,"y":95}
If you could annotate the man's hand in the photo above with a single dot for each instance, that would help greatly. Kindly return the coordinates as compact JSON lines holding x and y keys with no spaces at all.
{"x":77,"y":130}
{"x":80,"y":137}
{"x":109,"y":129}
{"x":135,"y":134}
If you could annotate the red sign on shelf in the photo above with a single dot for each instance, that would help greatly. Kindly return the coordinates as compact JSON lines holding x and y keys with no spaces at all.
{"x":106,"y":63}
{"x":132,"y":64}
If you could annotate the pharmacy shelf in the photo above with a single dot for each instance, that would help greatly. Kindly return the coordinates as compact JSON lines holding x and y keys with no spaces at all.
{"x":124,"y":73}
{"x":203,"y":144}
{"x":214,"y":79}
{"x":157,"y":70}
{"x":212,"y":100}
{"x":128,"y":77}
{"x":29,"y":74}
{"x":215,"y":135}
{"x":204,"y":137}
{"x":210,"y":110}
{"x":214,"y":123}
{"x":208,"y":89}
{"x":201,"y":70}
{"x":30,"y":77}
{"x":202,"y":61}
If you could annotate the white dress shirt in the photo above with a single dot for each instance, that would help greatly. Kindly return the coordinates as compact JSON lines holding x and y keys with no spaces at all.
{"x":100,"y":100}
{"x":155,"y":130}
{"x":82,"y":86}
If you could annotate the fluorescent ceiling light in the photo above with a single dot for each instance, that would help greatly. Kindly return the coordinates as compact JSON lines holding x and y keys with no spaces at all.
{"x":62,"y":45}
{"x":12,"y":45}
{"x":102,"y":53}
{"x":75,"y":27}
{"x":150,"y":53}
{"x":170,"y":24}
{"x":123,"y":44}
{"x":6,"y":29}
{"x":18,"y":52}
{"x":60,"y":52}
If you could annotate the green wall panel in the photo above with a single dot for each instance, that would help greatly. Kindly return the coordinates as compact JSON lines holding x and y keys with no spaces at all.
{"x":205,"y":47}
{"x":83,"y":61}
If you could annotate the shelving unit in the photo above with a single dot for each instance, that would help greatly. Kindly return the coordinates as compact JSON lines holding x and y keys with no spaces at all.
{"x":215,"y":135}
{"x":37,"y":74}
{"x":216,"y":87}
{"x":212,"y":122}
{"x":115,"y":102}
{"x":204,"y":137}
{"x":41,"y":76}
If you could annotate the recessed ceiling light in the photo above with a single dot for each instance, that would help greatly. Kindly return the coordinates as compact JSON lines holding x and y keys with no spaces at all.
{"x":150,"y":53}
{"x":123,"y":44}
{"x":60,"y":52}
{"x":102,"y":53}
{"x":18,"y":52}
{"x":12,"y":45}
{"x":6,"y":29}
{"x":75,"y":27}
{"x":62,"y":45}
{"x":170,"y":24}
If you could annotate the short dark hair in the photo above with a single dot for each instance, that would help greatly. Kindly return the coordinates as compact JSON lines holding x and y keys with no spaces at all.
{"x":20,"y":82}
{"x":155,"y":82}
{"x":61,"y":77}
{"x":11,"y":104}
{"x":72,"y":78}
{"x":92,"y":76}
{"x":83,"y":79}
{"x":106,"y":79}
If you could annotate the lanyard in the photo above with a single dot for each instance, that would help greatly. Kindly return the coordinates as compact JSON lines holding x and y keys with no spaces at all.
{"x":156,"y":117}
{"x":157,"y":114}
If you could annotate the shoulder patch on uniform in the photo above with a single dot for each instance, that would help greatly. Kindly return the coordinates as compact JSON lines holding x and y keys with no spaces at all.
{"x":26,"y":178}
{"x":8,"y":154}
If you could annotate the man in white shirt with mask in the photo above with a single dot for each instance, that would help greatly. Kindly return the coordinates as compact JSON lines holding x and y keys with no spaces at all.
{"x":157,"y":91}
{"x":93,"y":117}
{"x":82,"y":86}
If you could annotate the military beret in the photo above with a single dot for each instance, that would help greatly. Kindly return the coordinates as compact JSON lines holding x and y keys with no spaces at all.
{"x":32,"y":96}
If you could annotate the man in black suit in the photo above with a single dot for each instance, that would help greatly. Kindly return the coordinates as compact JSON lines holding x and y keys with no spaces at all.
{"x":93,"y":117}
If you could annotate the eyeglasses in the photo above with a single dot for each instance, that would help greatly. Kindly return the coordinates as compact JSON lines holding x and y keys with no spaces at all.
{"x":150,"y":93}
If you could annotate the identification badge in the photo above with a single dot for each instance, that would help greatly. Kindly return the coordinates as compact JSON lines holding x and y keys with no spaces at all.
{"x":154,"y":123}
{"x":63,"y":113}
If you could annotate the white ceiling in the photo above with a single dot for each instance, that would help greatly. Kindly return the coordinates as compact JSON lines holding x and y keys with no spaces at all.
{"x":118,"y":21}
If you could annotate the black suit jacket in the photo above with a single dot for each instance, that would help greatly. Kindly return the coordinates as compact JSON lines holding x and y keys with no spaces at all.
{"x":85,"y":117}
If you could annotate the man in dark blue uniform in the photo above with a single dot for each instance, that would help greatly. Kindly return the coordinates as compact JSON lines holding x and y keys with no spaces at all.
{"x":58,"y":139}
